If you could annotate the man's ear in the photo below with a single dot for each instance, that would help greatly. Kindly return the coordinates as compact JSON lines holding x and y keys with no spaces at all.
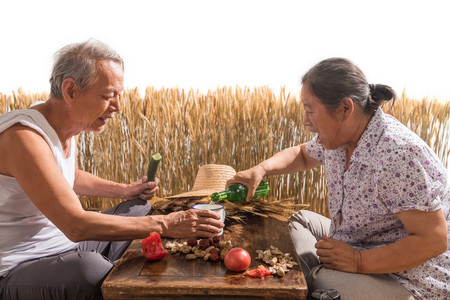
{"x":69,"y":89}
{"x":347,"y":107}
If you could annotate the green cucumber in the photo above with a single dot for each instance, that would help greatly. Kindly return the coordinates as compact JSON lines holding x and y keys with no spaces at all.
{"x":153,"y":166}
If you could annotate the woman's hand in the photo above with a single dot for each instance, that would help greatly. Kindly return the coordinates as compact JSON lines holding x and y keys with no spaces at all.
{"x":192,"y":223}
{"x":250,"y":178}
{"x":141,"y":189}
{"x":338,"y":255}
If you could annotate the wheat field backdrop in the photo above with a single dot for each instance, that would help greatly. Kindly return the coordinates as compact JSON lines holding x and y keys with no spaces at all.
{"x":238,"y":126}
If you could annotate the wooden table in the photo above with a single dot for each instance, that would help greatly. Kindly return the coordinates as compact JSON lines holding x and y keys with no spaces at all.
{"x":175,"y":277}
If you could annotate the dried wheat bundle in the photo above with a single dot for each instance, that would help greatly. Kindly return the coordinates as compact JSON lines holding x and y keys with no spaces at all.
{"x":283,"y":208}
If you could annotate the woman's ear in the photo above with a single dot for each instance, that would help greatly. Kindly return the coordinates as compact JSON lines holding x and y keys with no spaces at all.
{"x":69,"y":89}
{"x":347,"y":107}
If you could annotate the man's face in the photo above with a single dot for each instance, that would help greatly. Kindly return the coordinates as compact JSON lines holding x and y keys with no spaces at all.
{"x":98,"y":102}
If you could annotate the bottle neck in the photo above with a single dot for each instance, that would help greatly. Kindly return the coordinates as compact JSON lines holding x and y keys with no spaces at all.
{"x":216,"y":197}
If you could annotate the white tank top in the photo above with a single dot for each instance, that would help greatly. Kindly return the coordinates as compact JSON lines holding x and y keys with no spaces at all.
{"x":25,"y":233}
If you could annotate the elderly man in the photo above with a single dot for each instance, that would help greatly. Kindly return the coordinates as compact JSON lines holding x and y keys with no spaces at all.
{"x":50,"y":247}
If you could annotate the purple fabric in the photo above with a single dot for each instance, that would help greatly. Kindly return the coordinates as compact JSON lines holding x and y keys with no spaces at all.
{"x":391,"y":170}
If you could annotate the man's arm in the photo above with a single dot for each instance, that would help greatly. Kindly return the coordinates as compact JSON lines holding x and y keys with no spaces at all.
{"x":87,"y":184}
{"x":29,"y":159}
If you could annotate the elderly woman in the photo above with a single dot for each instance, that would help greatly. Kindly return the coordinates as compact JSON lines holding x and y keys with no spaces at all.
{"x":388,"y":197}
{"x":50,"y":247}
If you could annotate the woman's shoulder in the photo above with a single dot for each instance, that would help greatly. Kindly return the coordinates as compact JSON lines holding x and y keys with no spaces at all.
{"x":398,"y":147}
{"x":399,"y":138}
{"x":385,"y":141}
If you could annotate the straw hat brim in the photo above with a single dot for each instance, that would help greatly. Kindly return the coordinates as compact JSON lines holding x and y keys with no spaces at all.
{"x":210,"y":179}
{"x":199,"y":193}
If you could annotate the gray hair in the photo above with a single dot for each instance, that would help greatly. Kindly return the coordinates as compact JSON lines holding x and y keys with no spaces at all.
{"x":78,"y":61}
{"x":334,"y":79}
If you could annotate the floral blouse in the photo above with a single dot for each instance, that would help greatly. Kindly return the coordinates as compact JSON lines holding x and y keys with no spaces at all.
{"x":391,"y":170}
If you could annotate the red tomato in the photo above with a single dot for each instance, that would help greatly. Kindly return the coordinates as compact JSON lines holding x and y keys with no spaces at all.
{"x":237,"y":259}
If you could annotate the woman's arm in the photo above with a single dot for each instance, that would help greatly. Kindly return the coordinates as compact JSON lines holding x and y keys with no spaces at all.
{"x":427,"y":238}
{"x":287,"y":161}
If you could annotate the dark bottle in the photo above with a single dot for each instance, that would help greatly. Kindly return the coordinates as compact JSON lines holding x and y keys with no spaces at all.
{"x":237,"y":192}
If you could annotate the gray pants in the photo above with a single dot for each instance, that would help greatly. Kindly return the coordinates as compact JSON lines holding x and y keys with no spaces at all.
{"x":306,"y":229}
{"x":76,"y":274}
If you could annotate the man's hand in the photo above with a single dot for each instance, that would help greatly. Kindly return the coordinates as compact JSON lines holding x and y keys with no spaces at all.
{"x":141,"y":189}
{"x":338,"y":255}
{"x":192,"y":223}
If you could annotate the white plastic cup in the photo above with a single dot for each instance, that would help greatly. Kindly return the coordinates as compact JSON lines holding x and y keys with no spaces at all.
{"x":215,"y":207}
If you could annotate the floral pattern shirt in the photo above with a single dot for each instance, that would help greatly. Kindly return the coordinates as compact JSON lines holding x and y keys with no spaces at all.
{"x":391,"y":170}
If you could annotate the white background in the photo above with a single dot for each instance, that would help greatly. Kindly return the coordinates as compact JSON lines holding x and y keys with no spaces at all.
{"x":205,"y":44}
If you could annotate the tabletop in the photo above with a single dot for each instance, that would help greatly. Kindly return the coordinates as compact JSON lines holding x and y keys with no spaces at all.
{"x":133,"y":277}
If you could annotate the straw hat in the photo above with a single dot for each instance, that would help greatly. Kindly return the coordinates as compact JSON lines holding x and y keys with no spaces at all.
{"x":210,"y":179}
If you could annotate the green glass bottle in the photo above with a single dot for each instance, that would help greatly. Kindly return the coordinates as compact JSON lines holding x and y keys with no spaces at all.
{"x":237,"y":192}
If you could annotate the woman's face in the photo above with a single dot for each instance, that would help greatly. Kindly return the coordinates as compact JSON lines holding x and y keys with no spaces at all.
{"x":317,"y":119}
{"x":98,"y":102}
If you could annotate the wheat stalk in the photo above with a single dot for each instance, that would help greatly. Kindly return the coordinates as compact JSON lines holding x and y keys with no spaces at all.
{"x":237,"y":126}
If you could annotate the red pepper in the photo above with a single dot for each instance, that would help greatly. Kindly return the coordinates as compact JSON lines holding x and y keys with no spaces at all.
{"x":261,"y":272}
{"x":153,"y":248}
